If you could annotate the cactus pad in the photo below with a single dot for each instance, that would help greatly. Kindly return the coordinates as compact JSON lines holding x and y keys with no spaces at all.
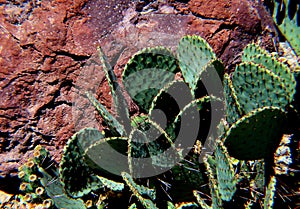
{"x":251,"y":51}
{"x":169,"y":101}
{"x":209,"y":80}
{"x":232,"y":107}
{"x":55,"y":191}
{"x":256,"y":135}
{"x":193,"y":53}
{"x":211,"y":167}
{"x":258,"y":87}
{"x":140,"y":192}
{"x":226,"y":180}
{"x":147,"y":72}
{"x":98,"y":155}
{"x":112,"y":185}
{"x":270,"y":62}
{"x":74,"y":172}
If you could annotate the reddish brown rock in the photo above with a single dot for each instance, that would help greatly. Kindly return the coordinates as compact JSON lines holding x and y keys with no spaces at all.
{"x":42,"y":50}
{"x":233,"y":12}
{"x":46,"y":49}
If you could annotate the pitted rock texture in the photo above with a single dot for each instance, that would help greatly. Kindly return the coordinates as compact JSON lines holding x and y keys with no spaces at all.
{"x":43,"y":46}
{"x":46,"y":46}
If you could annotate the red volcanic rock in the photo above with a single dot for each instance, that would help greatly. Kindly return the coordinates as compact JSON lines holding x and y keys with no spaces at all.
{"x":234,"y":12}
{"x":43,"y":47}
{"x":230,"y":25}
{"x":47,"y":49}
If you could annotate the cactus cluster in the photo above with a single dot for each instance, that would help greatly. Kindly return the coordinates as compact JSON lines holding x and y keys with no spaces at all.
{"x":257,"y":96}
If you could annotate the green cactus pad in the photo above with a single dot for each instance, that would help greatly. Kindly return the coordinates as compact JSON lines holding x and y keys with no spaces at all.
{"x":182,"y":185}
{"x":170,"y":205}
{"x":225,"y":173}
{"x":270,"y":193}
{"x":148,"y":71}
{"x":252,"y":50}
{"x":137,"y":148}
{"x":255,"y":135}
{"x":259,"y":180}
{"x":286,"y":16}
{"x":55,"y":190}
{"x":210,"y":78}
{"x":115,"y":127}
{"x":74,"y":172}
{"x":99,"y":155}
{"x":269,"y":62}
{"x":139,"y":122}
{"x":197,"y":104}
{"x":189,"y":166}
{"x":258,"y":87}
{"x":140,"y":191}
{"x":232,"y":107}
{"x":222,"y":128}
{"x":196,"y":112}
{"x":193,"y":53}
{"x":157,"y":148}
{"x":211,"y":167}
{"x":169,"y":101}
{"x":154,"y":142}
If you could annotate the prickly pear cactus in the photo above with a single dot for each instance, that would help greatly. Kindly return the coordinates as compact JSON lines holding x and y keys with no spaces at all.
{"x":141,"y":73}
{"x":193,"y":54}
{"x":286,"y":16}
{"x":74,"y":172}
{"x":116,"y":128}
{"x":256,"y":134}
{"x":258,"y":87}
{"x":225,"y":173}
{"x":255,"y":98}
{"x":216,"y":200}
{"x":222,"y":179}
{"x":138,"y":142}
{"x":170,"y":100}
{"x":232,"y":107}
{"x":261,"y":80}
{"x":209,"y":79}
{"x":253,"y":53}
{"x":140,"y":192}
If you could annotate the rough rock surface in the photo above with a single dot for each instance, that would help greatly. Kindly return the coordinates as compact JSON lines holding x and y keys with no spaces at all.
{"x":45,"y":48}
